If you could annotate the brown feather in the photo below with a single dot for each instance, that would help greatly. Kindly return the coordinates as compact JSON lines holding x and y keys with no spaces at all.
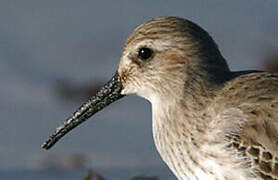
{"x":258,"y":139}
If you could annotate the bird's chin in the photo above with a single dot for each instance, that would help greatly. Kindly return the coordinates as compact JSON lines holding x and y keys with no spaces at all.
{"x":128,"y":91}
{"x":132,"y":91}
{"x":146,"y":95}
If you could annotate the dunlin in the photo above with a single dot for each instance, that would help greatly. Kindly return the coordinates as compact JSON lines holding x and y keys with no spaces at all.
{"x":208,"y":122}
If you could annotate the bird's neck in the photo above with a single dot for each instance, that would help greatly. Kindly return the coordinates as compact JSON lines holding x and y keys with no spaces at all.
{"x":171,"y":112}
{"x":174,"y":129}
{"x":182,"y":138}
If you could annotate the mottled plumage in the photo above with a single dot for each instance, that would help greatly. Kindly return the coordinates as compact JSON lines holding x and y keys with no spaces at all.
{"x":209,"y":123}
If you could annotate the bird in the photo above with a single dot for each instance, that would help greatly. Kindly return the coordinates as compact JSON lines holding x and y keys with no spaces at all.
{"x":208,"y":122}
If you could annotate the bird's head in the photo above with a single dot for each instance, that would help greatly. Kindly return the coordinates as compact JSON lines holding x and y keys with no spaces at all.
{"x":162,"y":58}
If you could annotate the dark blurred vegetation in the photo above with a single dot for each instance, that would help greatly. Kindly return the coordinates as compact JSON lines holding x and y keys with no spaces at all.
{"x":60,"y":163}
{"x":78,"y":161}
{"x":92,"y":175}
{"x":271,"y":63}
{"x":77,"y":92}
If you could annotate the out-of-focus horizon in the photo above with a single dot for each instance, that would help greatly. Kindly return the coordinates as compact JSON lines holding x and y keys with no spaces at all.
{"x":55,"y":54}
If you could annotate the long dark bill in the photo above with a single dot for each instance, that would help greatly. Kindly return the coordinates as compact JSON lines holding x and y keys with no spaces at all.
{"x":108,"y":94}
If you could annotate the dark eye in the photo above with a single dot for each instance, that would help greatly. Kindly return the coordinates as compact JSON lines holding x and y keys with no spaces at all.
{"x":145,"y":53}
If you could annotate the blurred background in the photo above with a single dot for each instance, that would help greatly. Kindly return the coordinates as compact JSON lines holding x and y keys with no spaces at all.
{"x":54,"y":55}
